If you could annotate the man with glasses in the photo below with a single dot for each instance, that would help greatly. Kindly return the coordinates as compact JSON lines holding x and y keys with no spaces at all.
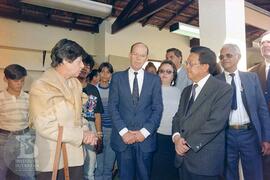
{"x":262,"y":69}
{"x":199,"y":124}
{"x":175,"y":55}
{"x":248,"y":133}
{"x":135,"y":104}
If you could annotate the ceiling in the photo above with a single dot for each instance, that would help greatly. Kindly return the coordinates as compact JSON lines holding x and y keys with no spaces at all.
{"x":158,"y":13}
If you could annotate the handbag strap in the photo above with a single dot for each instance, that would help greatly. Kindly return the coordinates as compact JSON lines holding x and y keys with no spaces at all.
{"x":60,"y":146}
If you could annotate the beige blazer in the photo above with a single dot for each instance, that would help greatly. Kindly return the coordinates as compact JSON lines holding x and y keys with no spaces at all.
{"x":55,"y":101}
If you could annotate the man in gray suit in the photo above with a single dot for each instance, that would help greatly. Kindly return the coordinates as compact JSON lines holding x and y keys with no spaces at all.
{"x":199,"y":124}
{"x":175,"y":55}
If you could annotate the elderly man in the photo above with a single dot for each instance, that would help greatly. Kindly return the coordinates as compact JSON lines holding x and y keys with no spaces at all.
{"x":248,"y":133}
{"x":175,"y":55}
{"x":135,"y":103}
{"x":262,"y":69}
{"x":199,"y":124}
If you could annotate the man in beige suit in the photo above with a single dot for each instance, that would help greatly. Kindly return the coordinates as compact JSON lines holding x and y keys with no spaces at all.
{"x":56,"y":100}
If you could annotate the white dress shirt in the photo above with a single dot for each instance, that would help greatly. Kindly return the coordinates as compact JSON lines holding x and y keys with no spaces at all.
{"x":140,"y":77}
{"x":200,"y":83}
{"x":240,"y":115}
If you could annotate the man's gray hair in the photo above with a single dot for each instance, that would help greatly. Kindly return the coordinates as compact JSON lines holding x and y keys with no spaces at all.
{"x":233,"y":47}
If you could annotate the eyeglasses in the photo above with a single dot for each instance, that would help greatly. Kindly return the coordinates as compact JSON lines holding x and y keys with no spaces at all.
{"x":228,"y":56}
{"x":161,"y":71}
{"x":191,"y":64}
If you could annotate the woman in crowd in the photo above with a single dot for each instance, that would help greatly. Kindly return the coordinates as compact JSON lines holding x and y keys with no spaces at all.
{"x":56,"y":100}
{"x":105,"y":160}
{"x":150,"y":67}
{"x":163,"y":160}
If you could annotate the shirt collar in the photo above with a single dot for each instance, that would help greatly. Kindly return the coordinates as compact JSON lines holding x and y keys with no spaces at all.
{"x":132,"y":71}
{"x":7,"y":94}
{"x":227,"y":74}
{"x":267,"y":64}
{"x":202,"y":81}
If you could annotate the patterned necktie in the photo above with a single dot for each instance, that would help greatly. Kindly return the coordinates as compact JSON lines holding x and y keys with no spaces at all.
{"x":267,"y":97}
{"x":135,"y":90}
{"x":192,"y":98}
{"x":234,"y":100}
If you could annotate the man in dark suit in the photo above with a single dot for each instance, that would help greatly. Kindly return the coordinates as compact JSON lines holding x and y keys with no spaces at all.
{"x":199,"y":124}
{"x":135,"y":104}
{"x":248,"y":133}
{"x":262,"y":69}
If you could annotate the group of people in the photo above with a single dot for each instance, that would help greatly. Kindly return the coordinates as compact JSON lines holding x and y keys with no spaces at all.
{"x":187,"y":122}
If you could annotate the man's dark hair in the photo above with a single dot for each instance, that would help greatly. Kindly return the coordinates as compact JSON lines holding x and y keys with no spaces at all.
{"x":106,"y":65}
{"x":176,"y":51}
{"x":89,"y":60}
{"x":131,"y":49}
{"x":92,"y":74}
{"x":15,"y":72}
{"x":66,"y":49}
{"x":206,"y":56}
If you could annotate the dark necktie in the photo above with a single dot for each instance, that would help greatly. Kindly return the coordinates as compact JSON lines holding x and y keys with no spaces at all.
{"x":135,"y":90}
{"x":192,"y":98}
{"x":234,"y":100}
{"x":267,"y":96}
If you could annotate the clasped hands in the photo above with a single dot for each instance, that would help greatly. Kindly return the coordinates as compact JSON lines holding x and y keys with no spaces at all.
{"x":89,"y":137}
{"x":181,"y":146}
{"x":132,"y":137}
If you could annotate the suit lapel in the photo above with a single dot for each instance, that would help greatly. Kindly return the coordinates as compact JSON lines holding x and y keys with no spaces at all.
{"x":202,"y":96}
{"x":246,"y":91}
{"x":126,"y":87}
{"x":144,"y":88}
{"x":262,"y":76}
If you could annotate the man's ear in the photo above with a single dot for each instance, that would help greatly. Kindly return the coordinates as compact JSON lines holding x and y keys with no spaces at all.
{"x":205,"y":67}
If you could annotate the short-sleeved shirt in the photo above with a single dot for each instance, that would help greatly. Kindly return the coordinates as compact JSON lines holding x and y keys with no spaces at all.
{"x":93,"y":104}
{"x":13,"y":111}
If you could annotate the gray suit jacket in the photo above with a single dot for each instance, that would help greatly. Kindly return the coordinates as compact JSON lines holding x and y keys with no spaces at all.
{"x":203,"y":127}
{"x":182,"y":80}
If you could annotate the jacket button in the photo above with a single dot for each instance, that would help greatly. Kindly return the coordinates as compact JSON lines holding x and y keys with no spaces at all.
{"x":182,"y":130}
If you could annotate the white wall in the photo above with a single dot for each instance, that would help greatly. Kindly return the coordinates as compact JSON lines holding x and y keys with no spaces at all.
{"x":157,"y":41}
{"x":23,"y":43}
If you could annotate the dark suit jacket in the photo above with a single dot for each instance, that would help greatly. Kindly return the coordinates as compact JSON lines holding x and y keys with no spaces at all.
{"x":260,"y":70}
{"x":147,"y":114}
{"x":254,"y":102}
{"x":204,"y":127}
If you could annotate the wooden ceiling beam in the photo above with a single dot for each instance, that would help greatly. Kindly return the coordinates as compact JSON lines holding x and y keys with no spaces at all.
{"x":192,"y":18}
{"x":45,"y":21}
{"x":145,"y":21}
{"x":123,"y":20}
{"x":176,"y":14}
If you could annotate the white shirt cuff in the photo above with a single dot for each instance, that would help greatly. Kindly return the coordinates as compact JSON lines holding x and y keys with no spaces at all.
{"x":123,"y":131}
{"x":145,"y":132}
{"x":175,"y":134}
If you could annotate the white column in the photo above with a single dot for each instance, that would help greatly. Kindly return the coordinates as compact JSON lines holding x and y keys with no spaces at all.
{"x":223,"y":21}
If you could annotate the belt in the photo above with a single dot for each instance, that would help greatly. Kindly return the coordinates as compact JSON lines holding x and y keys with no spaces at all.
{"x":20,"y":132}
{"x":242,"y":126}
